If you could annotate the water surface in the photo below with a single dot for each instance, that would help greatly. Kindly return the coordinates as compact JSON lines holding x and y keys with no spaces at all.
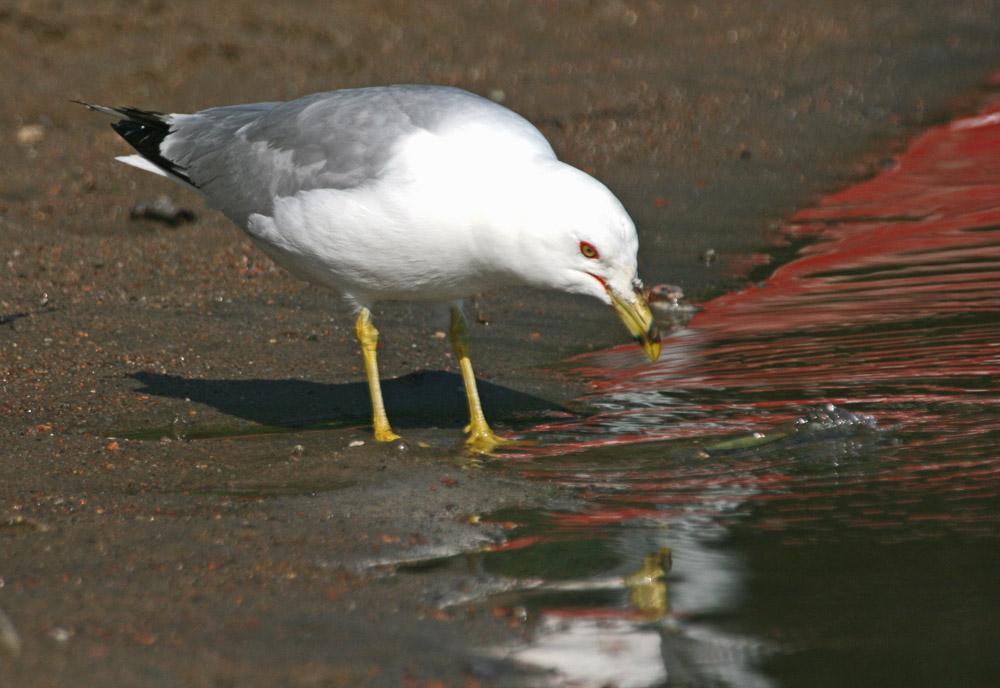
{"x":805,"y":489}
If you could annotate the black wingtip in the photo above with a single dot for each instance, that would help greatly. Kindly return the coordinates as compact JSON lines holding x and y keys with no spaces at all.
{"x":145,"y":131}
{"x":146,"y":137}
{"x":149,"y":118}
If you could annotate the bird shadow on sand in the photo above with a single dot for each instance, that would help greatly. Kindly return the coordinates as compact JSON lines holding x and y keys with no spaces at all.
{"x":419,"y":399}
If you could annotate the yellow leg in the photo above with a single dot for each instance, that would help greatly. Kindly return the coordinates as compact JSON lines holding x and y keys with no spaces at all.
{"x":368,"y":337}
{"x":481,"y":438}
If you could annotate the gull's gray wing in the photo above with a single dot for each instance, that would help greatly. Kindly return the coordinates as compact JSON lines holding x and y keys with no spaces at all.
{"x":243,"y":157}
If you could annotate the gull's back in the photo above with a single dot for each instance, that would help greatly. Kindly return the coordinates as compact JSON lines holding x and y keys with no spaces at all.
{"x":244,"y":157}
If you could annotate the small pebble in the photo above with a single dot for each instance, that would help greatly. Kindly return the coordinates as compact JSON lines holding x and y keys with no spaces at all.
{"x":30,"y":134}
{"x":60,"y":634}
{"x":9,"y":637}
{"x":163,"y":209}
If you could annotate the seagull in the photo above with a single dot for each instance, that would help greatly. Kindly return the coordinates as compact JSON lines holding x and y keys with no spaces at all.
{"x":409,"y":192}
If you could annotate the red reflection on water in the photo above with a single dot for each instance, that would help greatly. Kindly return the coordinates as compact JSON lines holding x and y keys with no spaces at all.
{"x":894,"y":307}
{"x":919,"y":240}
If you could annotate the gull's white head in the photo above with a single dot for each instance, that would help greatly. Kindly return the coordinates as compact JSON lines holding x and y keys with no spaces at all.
{"x":574,"y":235}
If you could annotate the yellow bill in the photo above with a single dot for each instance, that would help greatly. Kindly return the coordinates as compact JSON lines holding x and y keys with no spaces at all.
{"x":639,"y":321}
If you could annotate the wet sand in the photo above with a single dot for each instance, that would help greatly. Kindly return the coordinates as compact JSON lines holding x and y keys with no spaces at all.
{"x":269,"y":560}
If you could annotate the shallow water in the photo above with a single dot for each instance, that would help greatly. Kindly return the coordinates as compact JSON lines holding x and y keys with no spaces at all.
{"x":805,"y":489}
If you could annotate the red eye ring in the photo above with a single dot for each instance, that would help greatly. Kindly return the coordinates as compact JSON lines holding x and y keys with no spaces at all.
{"x":588,"y":250}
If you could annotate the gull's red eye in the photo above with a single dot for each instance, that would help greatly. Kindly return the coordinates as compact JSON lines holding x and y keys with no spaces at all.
{"x":588,"y":250}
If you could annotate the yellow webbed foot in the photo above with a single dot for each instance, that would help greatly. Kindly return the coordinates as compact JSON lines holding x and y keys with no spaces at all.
{"x":385,"y":434}
{"x":480,"y":439}
{"x":484,"y":441}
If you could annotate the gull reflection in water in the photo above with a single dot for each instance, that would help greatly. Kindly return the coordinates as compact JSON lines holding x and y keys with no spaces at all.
{"x":680,"y":584}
